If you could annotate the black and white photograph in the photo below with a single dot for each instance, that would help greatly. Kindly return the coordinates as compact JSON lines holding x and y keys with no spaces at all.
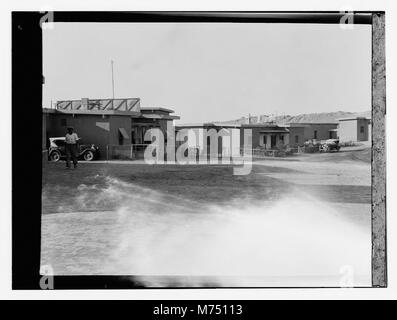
{"x":199,"y":150}
{"x":208,"y":154}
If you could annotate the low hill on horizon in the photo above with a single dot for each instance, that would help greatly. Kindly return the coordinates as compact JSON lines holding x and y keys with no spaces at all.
{"x":322,"y":117}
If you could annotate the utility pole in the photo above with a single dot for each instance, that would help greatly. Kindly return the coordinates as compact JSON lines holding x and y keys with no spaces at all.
{"x":111,"y":62}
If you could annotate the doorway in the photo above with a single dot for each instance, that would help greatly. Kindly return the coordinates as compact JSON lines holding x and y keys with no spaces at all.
{"x":273,"y":140}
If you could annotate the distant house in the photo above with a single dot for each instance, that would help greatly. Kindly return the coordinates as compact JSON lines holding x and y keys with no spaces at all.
{"x":354,"y":129}
{"x":268,"y":136}
{"x":301,"y":132}
{"x":265,"y":136}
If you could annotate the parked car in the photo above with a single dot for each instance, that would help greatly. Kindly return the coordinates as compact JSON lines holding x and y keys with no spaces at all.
{"x":311,"y":146}
{"x":329,"y":145}
{"x":312,"y":142}
{"x":57,"y":150}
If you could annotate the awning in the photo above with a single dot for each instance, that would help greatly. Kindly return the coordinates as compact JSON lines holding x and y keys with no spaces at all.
{"x":160,"y":116}
{"x":124,"y":133}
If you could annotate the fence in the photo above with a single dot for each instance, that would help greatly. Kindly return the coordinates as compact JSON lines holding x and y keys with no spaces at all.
{"x":265,"y":153}
{"x":309,"y":149}
{"x":261,"y":153}
{"x":136,"y":152}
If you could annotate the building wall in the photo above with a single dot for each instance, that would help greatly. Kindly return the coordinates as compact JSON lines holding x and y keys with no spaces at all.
{"x":281,"y":139}
{"x":362,"y":129}
{"x":347,"y":130}
{"x":203,"y":140}
{"x":140,"y":126}
{"x":256,"y":141}
{"x":323,"y":132}
{"x":117,"y":122}
{"x":307,"y":131}
{"x":298,"y":132}
{"x":101,"y":130}
{"x":229,"y":141}
{"x":258,"y":138}
{"x":355,"y":130}
{"x":255,"y":137}
{"x":90,"y":129}
{"x":47,"y":128}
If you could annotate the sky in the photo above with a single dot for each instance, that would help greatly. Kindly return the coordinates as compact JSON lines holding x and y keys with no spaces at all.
{"x":212,"y":72}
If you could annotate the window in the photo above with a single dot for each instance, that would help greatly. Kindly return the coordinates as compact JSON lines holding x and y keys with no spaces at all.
{"x":264,"y":140}
{"x":59,"y":143}
{"x":273,"y":140}
{"x":133,"y":136}
{"x":121,"y":139}
{"x":315,"y":134}
{"x":361,"y":129}
{"x":63,"y":122}
{"x":282,"y":138}
{"x":296,"y":139}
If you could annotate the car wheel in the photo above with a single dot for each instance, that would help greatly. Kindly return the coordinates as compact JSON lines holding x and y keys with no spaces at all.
{"x":88,"y":155}
{"x":55,"y":156}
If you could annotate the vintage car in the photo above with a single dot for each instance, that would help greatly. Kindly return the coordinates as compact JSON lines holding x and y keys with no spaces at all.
{"x":57,"y":151}
{"x":330,"y":145}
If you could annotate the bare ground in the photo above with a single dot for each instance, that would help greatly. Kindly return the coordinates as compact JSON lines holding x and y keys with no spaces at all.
{"x":82,"y":207}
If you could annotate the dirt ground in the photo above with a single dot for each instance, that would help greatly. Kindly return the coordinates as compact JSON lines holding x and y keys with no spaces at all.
{"x":333,"y":177}
{"x":85,"y":212}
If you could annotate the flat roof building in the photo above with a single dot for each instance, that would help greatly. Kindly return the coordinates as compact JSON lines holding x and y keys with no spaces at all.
{"x":354,"y":129}
{"x":301,"y":132}
{"x":265,"y":136}
{"x":105,"y":122}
